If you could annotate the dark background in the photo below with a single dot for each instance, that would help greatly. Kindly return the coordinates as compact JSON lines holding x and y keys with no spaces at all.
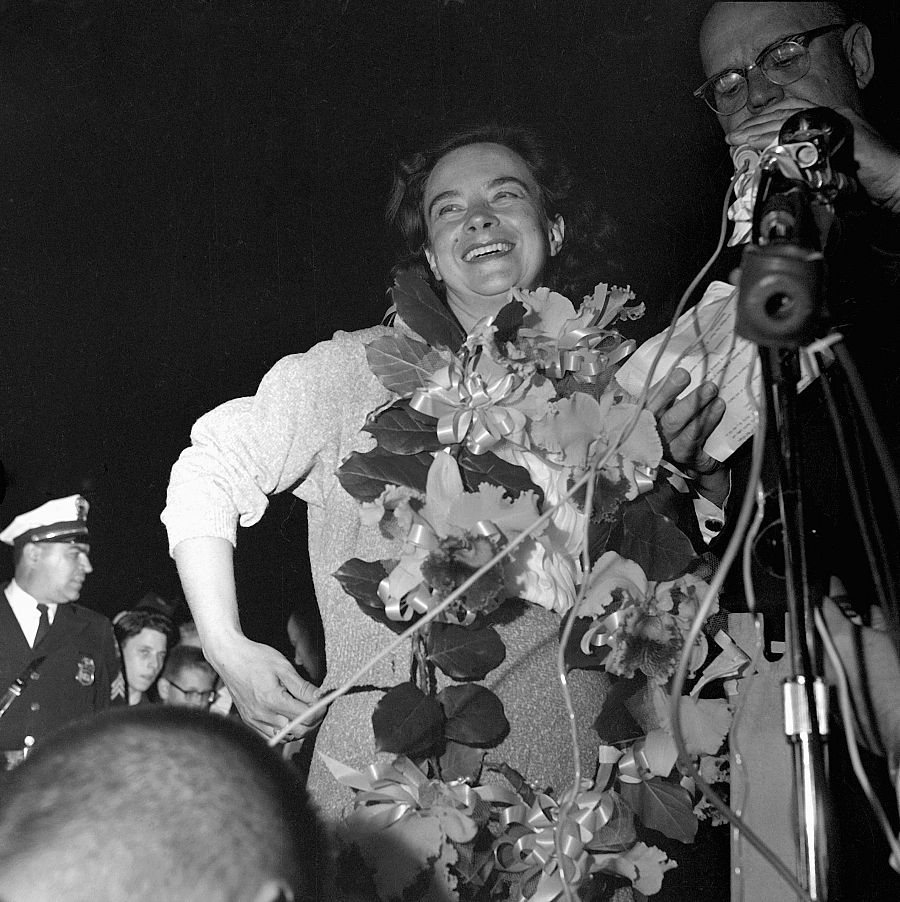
{"x":191,"y":190}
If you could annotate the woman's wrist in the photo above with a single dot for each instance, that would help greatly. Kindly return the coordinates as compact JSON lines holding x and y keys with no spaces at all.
{"x":219,"y":643}
{"x":715,"y":487}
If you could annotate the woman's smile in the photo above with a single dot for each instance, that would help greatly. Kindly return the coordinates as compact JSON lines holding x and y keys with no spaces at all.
{"x":491,"y":250}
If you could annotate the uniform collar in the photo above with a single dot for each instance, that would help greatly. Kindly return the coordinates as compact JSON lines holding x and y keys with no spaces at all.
{"x":21,"y":601}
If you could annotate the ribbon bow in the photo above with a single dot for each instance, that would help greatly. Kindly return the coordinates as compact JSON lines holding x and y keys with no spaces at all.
{"x":588,"y":351}
{"x":528,"y":845}
{"x":467,"y":406}
{"x":387,"y":792}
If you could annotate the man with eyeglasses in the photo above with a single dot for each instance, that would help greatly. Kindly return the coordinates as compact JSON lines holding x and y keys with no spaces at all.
{"x":765,"y":62}
{"x":188,"y":679}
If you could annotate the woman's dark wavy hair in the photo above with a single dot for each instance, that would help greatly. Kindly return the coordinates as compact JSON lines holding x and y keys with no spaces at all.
{"x":573,"y":271}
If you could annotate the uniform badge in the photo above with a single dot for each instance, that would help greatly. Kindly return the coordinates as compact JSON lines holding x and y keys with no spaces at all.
{"x":84,"y":675}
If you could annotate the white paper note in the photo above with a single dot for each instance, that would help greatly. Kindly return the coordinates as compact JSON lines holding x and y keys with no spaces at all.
{"x":705,"y":344}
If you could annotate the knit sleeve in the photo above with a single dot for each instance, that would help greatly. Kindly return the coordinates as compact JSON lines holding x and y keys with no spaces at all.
{"x":249,"y":448}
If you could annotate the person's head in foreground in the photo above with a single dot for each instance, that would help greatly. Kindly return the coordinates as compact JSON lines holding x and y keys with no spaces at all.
{"x":486,"y":210}
{"x":188,"y":680}
{"x":145,"y":638}
{"x":157,"y":803}
{"x":766,"y":61}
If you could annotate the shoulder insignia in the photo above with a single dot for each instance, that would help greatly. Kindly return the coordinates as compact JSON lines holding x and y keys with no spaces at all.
{"x":117,"y":688}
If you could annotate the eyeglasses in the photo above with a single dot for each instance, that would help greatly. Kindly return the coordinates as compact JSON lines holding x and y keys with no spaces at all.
{"x":206,"y":697}
{"x":782,"y":63}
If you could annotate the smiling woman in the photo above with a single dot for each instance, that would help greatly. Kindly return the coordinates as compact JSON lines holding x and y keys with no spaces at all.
{"x":487,"y":230}
{"x":487,"y":217}
{"x":489,"y":212}
{"x":486,"y":184}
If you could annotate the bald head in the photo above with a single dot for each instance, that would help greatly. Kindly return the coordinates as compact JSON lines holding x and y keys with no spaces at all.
{"x":156,"y":803}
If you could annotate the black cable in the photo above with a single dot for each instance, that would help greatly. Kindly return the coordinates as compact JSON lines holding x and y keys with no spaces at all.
{"x":866,"y":524}
{"x":885,"y":462}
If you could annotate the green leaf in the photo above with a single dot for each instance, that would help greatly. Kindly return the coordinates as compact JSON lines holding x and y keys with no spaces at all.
{"x":408,"y":722}
{"x":618,"y":833}
{"x":360,"y":579}
{"x":575,"y":658}
{"x":463,"y":653}
{"x":402,"y":430}
{"x":615,"y":724}
{"x":507,"y":323}
{"x":365,"y":476}
{"x":474,"y":714}
{"x":421,"y":309}
{"x":663,"y":806}
{"x":401,"y":363}
{"x":461,"y":762}
{"x":478,"y":468}
{"x":652,"y":539}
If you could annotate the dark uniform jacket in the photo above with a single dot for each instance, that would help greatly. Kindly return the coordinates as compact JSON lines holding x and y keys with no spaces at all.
{"x":81,"y":673}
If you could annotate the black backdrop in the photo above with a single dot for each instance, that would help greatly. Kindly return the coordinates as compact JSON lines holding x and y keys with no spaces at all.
{"x":190,"y":190}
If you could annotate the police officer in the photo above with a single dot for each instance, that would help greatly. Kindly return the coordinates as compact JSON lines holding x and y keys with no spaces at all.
{"x":58,"y":659}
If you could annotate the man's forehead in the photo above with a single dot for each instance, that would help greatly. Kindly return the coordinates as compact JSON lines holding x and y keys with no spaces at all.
{"x":65,"y":546}
{"x":734,"y":33}
{"x":196,"y":678}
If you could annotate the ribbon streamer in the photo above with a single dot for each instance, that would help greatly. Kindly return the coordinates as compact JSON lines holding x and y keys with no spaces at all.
{"x":602,"y":631}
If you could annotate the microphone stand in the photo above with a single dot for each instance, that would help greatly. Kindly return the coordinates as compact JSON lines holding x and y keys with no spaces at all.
{"x":780,"y":308}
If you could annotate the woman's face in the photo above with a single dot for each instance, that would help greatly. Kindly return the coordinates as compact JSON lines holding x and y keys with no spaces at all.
{"x":144,"y":656}
{"x":486,"y":230}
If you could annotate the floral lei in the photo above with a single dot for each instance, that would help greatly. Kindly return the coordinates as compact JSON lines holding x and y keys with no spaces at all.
{"x":485,"y":433}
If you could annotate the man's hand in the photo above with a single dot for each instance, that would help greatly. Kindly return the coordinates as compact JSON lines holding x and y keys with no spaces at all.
{"x":685,"y":425}
{"x":873,"y":672}
{"x":265,"y":687}
{"x":878,"y":161}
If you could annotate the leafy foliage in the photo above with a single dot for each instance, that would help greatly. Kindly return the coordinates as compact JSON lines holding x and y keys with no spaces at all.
{"x":365,"y":476}
{"x":408,"y":722}
{"x":461,"y":762}
{"x":421,"y":309}
{"x":463,"y":653}
{"x":360,"y":580}
{"x":651,"y":538}
{"x":401,"y":430}
{"x":479,"y":468}
{"x":664,"y":806}
{"x":402,"y":363}
{"x":475,"y":715}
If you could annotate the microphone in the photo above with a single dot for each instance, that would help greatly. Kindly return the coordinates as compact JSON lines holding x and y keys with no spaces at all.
{"x":821,"y":142}
{"x":18,"y":684}
{"x":743,"y":157}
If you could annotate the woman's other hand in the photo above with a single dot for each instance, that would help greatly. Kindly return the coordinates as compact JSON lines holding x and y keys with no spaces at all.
{"x":265,"y":687}
{"x":684,"y":425}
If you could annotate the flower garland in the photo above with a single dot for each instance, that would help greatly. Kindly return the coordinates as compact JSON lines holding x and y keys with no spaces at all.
{"x":485,"y":433}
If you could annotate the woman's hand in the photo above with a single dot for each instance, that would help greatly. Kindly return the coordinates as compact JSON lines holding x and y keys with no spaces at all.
{"x":684,"y":425}
{"x":265,"y":687}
